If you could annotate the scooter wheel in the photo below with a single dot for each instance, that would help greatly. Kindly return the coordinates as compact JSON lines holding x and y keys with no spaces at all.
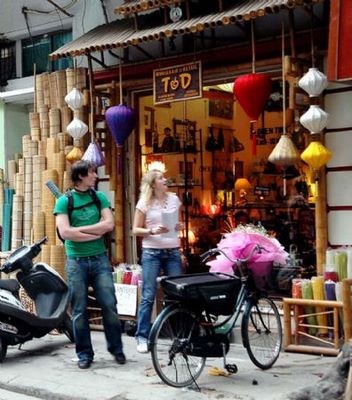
{"x":3,"y":350}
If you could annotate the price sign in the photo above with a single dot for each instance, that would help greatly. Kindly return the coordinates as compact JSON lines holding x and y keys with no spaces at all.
{"x":126,"y":296}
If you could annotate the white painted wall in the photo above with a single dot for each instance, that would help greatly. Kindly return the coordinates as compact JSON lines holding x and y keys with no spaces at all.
{"x":339,"y":183}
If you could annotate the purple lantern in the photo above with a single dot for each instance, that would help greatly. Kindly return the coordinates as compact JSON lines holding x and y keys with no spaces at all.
{"x":94,"y":155}
{"x":121,"y":121}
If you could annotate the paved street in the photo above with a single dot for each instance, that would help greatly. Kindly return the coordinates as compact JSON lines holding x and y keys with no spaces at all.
{"x":46,"y":369}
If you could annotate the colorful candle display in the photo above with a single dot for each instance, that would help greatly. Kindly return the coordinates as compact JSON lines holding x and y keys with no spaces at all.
{"x":307,"y":293}
{"x":341,"y":264}
{"x":318,"y":294}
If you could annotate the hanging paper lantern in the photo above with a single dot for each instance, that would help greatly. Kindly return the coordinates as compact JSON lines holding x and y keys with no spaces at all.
{"x":284,"y":153}
{"x":77,"y":128}
{"x":313,"y":82}
{"x":252,"y":91}
{"x":316,"y":155}
{"x":94,"y":155}
{"x":121,"y":121}
{"x":74,"y":155}
{"x":315,"y":119}
{"x":74,"y":99}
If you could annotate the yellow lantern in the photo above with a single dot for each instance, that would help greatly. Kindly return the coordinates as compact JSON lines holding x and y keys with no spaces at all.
{"x":74,"y":155}
{"x":316,"y":155}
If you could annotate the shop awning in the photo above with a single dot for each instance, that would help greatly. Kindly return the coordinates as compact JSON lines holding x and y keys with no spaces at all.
{"x":143,"y":5}
{"x":121,"y":33}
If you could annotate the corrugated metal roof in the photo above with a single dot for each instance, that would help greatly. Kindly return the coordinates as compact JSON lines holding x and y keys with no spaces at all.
{"x":143,"y":5}
{"x":121,"y":33}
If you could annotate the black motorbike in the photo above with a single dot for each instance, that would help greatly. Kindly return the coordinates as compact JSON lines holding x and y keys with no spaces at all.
{"x":45,"y":287}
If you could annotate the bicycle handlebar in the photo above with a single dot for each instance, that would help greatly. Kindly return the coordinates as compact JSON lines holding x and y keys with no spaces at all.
{"x":256,"y":248}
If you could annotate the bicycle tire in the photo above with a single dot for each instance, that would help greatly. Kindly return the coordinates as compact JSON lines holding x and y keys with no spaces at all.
{"x":169,"y":345}
{"x":262,"y":332}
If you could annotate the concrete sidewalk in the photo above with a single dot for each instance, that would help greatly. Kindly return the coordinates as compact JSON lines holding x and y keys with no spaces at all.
{"x":47,"y":369}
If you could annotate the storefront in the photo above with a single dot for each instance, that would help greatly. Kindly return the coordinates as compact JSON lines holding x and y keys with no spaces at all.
{"x":217,"y":161}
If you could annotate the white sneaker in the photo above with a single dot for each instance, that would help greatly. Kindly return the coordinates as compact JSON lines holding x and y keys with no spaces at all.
{"x":142,"y":347}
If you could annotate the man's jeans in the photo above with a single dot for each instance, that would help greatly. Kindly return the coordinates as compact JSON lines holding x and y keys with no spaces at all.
{"x":153,"y":261}
{"x":94,"y":271}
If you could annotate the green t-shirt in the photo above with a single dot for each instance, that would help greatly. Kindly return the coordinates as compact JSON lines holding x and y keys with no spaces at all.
{"x":84,"y":216}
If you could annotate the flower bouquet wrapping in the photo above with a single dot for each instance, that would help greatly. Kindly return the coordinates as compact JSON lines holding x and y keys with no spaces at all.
{"x":239,"y":243}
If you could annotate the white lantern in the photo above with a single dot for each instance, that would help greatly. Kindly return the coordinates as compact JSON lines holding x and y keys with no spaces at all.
{"x":77,"y":128}
{"x":74,"y":99}
{"x":315,"y":119}
{"x":313,"y":82}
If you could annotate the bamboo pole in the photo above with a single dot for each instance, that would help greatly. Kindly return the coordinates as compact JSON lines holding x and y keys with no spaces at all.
{"x":321,"y":227}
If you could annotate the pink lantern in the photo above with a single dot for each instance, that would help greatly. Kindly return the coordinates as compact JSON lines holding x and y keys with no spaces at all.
{"x":252,"y":91}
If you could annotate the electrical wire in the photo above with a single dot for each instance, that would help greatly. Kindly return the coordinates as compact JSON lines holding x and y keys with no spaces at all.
{"x":33,"y":11}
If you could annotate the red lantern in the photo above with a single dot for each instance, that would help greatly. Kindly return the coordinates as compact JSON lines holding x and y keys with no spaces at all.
{"x":252,"y":91}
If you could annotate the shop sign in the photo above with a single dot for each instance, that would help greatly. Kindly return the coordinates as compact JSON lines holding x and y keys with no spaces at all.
{"x":177,"y":83}
{"x":262,"y":190}
{"x":126,"y":296}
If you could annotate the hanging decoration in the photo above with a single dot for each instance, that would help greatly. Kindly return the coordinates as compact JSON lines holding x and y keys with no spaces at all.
{"x":74,"y":99}
{"x":121,"y":120}
{"x":77,"y":128}
{"x":315,"y":119}
{"x":74,"y":155}
{"x":252,"y":92}
{"x":285,"y":152}
{"x":313,"y":82}
{"x":94,"y":155}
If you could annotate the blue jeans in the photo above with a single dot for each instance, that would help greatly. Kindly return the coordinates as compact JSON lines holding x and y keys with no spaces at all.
{"x":153,"y":261}
{"x":94,"y":271}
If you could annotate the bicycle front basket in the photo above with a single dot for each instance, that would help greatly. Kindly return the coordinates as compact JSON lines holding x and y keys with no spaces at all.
{"x":213,"y":292}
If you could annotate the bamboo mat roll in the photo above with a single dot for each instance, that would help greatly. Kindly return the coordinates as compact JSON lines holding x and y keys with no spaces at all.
{"x":34,"y":120}
{"x":42,"y":147}
{"x":61,"y":87}
{"x":17,"y":221}
{"x":54,"y":100}
{"x":59,"y":165}
{"x":45,"y":254}
{"x":48,"y":199}
{"x":52,"y":147}
{"x":50,"y":226}
{"x":39,"y":94}
{"x":67,"y":183}
{"x":11,"y":172}
{"x":19,"y":184}
{"x":318,"y":294}
{"x":44,"y":121}
{"x":35,"y":134}
{"x":20,"y":164}
{"x":54,"y":121}
{"x":64,"y":140}
{"x":28,"y":204}
{"x":39,"y":165}
{"x":66,"y":117}
{"x":330,"y":294}
{"x":32,"y":148}
{"x":38,"y":225}
{"x":58,"y":259}
{"x":341,"y":264}
{"x":46,"y":89}
{"x":26,"y":139}
{"x":76,"y":78}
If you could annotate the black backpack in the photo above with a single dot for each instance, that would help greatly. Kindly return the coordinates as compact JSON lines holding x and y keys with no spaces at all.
{"x":71,"y":207}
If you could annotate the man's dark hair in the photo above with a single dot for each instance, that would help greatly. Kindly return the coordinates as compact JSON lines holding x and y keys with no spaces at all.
{"x":81,"y":168}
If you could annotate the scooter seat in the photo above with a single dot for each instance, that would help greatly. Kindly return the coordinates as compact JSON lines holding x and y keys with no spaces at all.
{"x":10,"y":284}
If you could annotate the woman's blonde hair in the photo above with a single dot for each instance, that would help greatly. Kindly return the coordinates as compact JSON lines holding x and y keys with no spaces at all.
{"x":147,"y":183}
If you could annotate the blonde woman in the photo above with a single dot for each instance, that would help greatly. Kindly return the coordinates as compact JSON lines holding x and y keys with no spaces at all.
{"x":160,"y":245}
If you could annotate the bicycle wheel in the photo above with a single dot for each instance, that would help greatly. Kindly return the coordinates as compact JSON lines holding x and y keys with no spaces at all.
{"x":262,"y":332}
{"x":170,"y":346}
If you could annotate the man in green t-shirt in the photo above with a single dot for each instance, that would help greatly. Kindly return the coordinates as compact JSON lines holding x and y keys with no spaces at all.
{"x":87,"y":264}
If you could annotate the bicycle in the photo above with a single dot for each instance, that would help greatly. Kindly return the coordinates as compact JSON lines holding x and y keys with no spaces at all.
{"x":188,"y":329}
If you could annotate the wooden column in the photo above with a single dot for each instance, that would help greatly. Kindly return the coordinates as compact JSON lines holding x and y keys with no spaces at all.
{"x":321,"y":227}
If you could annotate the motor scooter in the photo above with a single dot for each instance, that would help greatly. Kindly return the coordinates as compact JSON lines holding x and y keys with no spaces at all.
{"x":45,"y":287}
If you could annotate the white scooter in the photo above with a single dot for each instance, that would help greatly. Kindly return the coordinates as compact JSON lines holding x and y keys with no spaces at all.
{"x":45,"y":287}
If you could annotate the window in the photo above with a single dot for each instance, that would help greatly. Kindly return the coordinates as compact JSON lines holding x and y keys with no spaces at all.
{"x":7,"y":61}
{"x":37,"y":51}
